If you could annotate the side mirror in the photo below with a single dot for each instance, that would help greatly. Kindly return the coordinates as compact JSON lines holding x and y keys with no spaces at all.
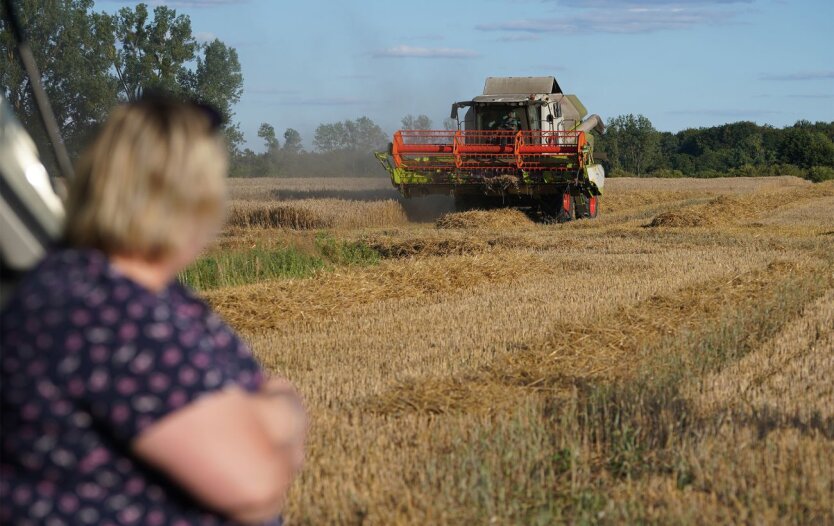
{"x":454,"y":114}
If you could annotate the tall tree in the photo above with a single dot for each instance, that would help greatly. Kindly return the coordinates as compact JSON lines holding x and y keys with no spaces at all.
{"x":234,"y":138}
{"x":633,"y":143}
{"x":329,"y":137}
{"x":292,"y":141}
{"x":420,"y":122}
{"x":153,"y":51}
{"x":267,"y":132}
{"x":805,"y":147}
{"x":365,"y":135}
{"x":217,"y":79}
{"x":361,"y":134}
{"x":72,"y":46}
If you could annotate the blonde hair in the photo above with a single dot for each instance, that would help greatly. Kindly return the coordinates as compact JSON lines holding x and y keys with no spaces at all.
{"x":152,"y":176}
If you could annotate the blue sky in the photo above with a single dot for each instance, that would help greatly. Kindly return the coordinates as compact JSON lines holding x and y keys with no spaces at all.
{"x":683,"y":63}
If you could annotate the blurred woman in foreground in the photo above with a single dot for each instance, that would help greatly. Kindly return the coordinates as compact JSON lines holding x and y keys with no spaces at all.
{"x":125,"y":400}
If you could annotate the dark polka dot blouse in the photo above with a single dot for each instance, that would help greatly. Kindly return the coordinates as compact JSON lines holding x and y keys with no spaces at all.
{"x":89,"y":360}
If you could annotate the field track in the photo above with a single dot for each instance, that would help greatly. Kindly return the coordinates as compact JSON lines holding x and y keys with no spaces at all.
{"x":669,"y":362}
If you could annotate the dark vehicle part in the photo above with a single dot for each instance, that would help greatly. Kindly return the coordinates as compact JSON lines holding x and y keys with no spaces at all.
{"x":31,"y":214}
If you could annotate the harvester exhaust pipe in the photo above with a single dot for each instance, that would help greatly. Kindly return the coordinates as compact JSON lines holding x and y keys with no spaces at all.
{"x":594,"y":122}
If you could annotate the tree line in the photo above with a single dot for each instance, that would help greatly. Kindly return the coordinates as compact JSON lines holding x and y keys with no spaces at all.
{"x":339,"y":149}
{"x":631,"y":146}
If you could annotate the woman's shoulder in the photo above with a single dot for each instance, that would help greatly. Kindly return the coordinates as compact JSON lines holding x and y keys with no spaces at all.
{"x":73,"y":288}
{"x":63,"y":277}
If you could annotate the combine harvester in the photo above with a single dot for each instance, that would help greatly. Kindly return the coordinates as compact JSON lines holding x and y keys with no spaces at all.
{"x":523,"y":143}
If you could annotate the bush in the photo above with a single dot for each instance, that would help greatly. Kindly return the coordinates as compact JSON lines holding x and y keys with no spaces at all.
{"x":771,"y":170}
{"x":616,"y":172}
{"x":666,"y":173}
{"x":709,"y":174}
{"x":819,"y":174}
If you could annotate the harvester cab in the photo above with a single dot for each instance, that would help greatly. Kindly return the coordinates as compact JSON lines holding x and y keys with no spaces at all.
{"x":523,"y":142}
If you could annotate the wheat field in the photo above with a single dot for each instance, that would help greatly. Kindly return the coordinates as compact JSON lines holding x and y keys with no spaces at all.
{"x":668,"y":362}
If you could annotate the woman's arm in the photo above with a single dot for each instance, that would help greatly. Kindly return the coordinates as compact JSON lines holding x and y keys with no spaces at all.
{"x":282,"y":413}
{"x":222,"y":450}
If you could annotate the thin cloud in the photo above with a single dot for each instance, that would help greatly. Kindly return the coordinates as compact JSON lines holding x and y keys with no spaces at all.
{"x":605,"y":16}
{"x":404,"y":51}
{"x":523,"y":37}
{"x":624,"y":21}
{"x":805,"y":75}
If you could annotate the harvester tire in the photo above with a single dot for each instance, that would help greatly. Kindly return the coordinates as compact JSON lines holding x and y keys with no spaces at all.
{"x":593,"y":206}
{"x":567,"y":208}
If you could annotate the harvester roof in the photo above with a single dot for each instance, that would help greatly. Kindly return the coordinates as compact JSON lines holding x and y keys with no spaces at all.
{"x":531,"y":90}
{"x":521,"y":85}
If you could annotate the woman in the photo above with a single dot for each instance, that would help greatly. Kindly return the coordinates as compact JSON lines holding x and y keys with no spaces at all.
{"x":125,"y":400}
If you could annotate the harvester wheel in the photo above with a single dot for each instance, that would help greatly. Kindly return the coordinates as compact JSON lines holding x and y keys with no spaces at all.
{"x":593,"y":206}
{"x":567,"y":208}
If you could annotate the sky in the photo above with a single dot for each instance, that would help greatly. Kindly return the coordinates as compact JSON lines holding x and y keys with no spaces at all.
{"x":681,"y":63}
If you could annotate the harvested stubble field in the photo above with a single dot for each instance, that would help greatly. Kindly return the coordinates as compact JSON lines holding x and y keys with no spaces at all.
{"x":670,"y":362}
{"x":308,"y":214}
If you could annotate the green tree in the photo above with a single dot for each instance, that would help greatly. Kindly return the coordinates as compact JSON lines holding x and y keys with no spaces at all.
{"x":329,"y":137}
{"x":217,"y":79}
{"x":89,"y":61}
{"x":420,"y":122}
{"x":805,"y":147}
{"x":234,"y":138}
{"x":361,"y":134}
{"x":72,"y":46}
{"x":153,"y":51}
{"x":292,"y":141}
{"x":632,"y":143}
{"x":267,"y":133}
{"x":365,"y":135}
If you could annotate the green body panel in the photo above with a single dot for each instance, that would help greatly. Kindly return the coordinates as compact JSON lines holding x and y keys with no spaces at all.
{"x":567,"y":174}
{"x":578,"y":105}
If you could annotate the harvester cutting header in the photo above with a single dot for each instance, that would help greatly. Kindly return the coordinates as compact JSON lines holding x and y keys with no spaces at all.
{"x":522,"y":143}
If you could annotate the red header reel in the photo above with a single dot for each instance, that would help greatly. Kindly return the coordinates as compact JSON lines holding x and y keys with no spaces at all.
{"x":501,"y":150}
